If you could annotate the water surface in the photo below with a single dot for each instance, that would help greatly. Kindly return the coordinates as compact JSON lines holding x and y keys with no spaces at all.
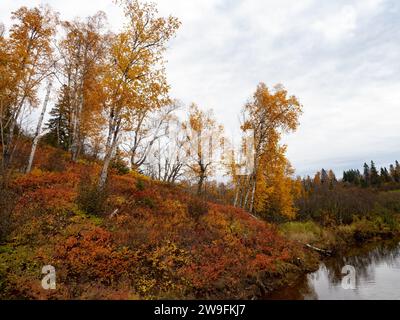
{"x":377,"y":276}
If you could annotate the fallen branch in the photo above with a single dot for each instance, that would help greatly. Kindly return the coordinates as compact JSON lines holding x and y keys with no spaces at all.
{"x":323,"y":251}
{"x":114,"y":214}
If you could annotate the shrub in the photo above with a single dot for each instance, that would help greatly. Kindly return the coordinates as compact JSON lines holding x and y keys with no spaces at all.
{"x":91,"y":199}
{"x":390,"y":200}
{"x":120,"y":167}
{"x":55,"y":162}
{"x":89,"y":256}
{"x":140,"y":185}
{"x":7,"y":203}
{"x":197,"y":208}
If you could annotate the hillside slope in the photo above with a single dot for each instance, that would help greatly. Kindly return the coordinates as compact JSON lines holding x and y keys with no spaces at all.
{"x":139,"y":239}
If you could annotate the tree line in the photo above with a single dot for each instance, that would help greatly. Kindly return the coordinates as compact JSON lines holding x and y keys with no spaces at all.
{"x":107,"y":98}
{"x":372,"y":177}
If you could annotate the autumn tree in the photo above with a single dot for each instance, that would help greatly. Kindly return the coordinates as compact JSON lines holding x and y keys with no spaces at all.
{"x":239,"y":164}
{"x":148,"y":127}
{"x":38,"y":133}
{"x":82,"y":54}
{"x":276,"y":190}
{"x":5,"y":88}
{"x":269,"y":114}
{"x":204,"y":140}
{"x":168,"y":158}
{"x":134,"y":76}
{"x":27,"y":60}
{"x":233,"y":165}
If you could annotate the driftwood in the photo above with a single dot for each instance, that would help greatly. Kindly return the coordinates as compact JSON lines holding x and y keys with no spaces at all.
{"x":322,"y":251}
{"x":114,"y":214}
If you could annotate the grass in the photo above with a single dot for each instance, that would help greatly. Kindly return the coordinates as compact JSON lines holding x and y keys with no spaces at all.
{"x":337,"y":238}
{"x":304,"y":232}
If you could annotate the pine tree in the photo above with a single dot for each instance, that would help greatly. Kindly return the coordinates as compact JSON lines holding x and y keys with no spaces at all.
{"x":396,"y":175}
{"x":59,"y":124}
{"x":345,"y":177}
{"x":324,"y":176}
{"x":352,"y":176}
{"x":366,"y":175}
{"x":393,"y":174}
{"x":374,"y":176}
{"x":385,"y":177}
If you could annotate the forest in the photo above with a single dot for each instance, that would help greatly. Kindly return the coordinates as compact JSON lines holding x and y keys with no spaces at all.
{"x":130,"y":194}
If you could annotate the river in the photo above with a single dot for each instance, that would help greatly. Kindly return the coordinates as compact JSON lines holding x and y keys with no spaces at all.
{"x":373,"y":273}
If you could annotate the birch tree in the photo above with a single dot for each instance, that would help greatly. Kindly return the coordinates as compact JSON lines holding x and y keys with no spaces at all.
{"x":168,"y":159}
{"x":148,"y":127}
{"x":82,"y":52}
{"x":268,"y":115}
{"x":28,"y":61}
{"x":38,"y":132}
{"x":204,"y":138}
{"x":135,"y":76}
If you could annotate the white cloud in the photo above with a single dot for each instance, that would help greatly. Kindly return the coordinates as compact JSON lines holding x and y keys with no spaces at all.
{"x":339,"y":57}
{"x":335,"y":27}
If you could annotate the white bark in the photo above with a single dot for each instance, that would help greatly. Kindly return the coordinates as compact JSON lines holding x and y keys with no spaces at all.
{"x":38,"y":134}
{"x":112,"y":141}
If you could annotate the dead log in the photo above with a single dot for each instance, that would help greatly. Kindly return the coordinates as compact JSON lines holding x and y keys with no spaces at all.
{"x":322,"y":251}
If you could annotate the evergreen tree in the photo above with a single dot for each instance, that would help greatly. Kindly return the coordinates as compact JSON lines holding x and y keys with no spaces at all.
{"x":373,"y":175}
{"x":324,"y":176}
{"x":397,"y":172}
{"x":352,"y":176}
{"x":366,"y":176}
{"x":385,"y":177}
{"x":345,"y":177}
{"x":59,"y":124}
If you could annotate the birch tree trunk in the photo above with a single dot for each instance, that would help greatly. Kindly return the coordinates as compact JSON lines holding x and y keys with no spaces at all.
{"x":253,"y":191}
{"x":112,"y":140}
{"x":38,"y":129}
{"x":76,"y":129}
{"x":235,"y":201}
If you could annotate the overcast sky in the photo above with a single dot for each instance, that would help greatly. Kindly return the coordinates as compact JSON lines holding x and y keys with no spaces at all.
{"x":340,"y":58}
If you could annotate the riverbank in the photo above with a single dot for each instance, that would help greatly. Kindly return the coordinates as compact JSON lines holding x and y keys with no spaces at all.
{"x":334,"y":239}
{"x":376,"y":276}
{"x":325,"y":243}
{"x":139,"y":239}
{"x":143,"y":239}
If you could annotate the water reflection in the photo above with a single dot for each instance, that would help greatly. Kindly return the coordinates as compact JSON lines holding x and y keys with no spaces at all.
{"x":377,"y":276}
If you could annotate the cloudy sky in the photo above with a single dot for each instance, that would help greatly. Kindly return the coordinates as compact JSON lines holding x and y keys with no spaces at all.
{"x":340,"y":58}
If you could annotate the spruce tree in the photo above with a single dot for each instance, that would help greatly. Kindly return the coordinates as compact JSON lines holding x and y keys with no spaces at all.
{"x":59,"y":124}
{"x":324,"y":176}
{"x":385,"y":177}
{"x":366,"y":176}
{"x":373,"y":175}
